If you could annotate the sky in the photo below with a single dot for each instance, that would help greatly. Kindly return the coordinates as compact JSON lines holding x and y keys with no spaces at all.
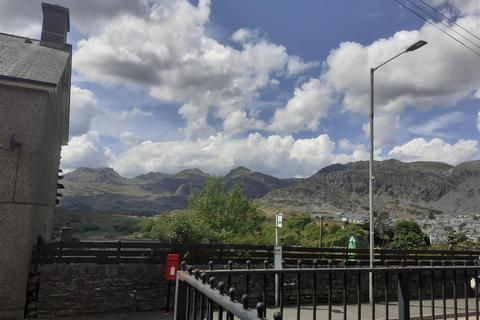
{"x":280,"y":87}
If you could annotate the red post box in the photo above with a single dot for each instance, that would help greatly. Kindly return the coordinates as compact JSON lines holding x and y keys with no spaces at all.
{"x":171,"y":266}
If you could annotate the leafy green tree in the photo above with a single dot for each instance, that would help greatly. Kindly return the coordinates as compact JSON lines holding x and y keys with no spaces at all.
{"x":408,"y":235}
{"x":216,"y":215}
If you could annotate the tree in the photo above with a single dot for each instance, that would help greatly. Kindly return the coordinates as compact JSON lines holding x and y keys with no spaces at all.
{"x":221,"y":216}
{"x":408,"y":235}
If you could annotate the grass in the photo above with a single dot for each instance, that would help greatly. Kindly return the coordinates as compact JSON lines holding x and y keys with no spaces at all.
{"x":96,"y":226}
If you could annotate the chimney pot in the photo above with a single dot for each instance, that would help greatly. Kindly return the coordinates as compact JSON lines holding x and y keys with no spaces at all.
{"x":56,"y":25}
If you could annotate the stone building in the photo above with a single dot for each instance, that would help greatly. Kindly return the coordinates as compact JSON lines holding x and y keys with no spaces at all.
{"x":35,"y":80}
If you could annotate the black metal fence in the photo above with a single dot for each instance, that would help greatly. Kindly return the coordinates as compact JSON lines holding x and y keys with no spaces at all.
{"x":425,"y":291}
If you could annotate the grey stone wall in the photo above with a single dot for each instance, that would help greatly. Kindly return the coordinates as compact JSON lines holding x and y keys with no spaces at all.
{"x":27,"y":187}
{"x":68,"y":289}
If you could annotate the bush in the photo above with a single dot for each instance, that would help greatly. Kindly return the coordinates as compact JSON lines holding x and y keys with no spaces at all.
{"x":408,"y":235}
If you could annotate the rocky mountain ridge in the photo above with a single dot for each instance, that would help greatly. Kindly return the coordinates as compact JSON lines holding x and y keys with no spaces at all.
{"x":403,"y":189}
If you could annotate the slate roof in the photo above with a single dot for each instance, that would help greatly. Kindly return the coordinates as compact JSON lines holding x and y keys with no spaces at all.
{"x":30,"y":62}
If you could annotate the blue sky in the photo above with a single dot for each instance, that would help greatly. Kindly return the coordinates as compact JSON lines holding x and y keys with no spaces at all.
{"x":276,"y":86}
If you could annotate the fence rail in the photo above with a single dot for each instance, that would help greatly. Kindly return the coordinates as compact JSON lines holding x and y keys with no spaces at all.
{"x":154,"y":252}
{"x":334,"y":293}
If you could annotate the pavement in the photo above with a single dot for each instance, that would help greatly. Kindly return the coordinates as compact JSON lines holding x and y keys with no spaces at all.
{"x":306,"y":312}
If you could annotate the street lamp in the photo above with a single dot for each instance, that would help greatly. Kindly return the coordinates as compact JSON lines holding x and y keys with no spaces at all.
{"x":413,"y":47}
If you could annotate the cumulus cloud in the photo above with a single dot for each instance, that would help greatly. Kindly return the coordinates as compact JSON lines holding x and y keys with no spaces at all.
{"x":385,"y":127}
{"x":134,"y":113}
{"x":433,"y":127}
{"x":416,"y":79}
{"x":436,"y":149}
{"x":83,"y":107}
{"x":478,"y":120}
{"x":305,"y":109}
{"x":129,"y":138}
{"x":457,"y":7}
{"x":281,"y":156}
{"x":407,"y":80}
{"x":86,"y":150}
{"x":169,"y":52}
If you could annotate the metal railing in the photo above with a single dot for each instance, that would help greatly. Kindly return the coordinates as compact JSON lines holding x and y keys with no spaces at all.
{"x":426,"y":291}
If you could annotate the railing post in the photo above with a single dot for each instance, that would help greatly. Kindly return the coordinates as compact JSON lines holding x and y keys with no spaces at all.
{"x":403,"y":296}
{"x":180,"y":312}
{"x":277,"y":264}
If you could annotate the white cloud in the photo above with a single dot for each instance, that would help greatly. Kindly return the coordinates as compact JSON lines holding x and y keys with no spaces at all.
{"x":385,"y":127}
{"x":239,"y":121}
{"x":281,"y":156}
{"x":433,"y":127}
{"x":436,"y":149}
{"x":85,"y":151}
{"x":83,"y":107}
{"x":478,"y":120}
{"x":410,"y":79}
{"x":418,"y":79}
{"x":169,"y":52}
{"x":457,"y":7}
{"x":305,"y":109}
{"x":129,"y":138}
{"x":134,"y":113}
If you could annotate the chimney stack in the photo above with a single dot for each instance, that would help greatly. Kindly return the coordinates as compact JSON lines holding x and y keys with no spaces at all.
{"x":56,"y":25}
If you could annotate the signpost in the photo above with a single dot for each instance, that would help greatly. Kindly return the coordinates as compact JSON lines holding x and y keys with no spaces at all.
{"x":277,"y":253}
{"x":278,"y":224}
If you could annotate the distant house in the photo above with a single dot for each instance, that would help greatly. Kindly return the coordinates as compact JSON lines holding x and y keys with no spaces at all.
{"x":438,"y":236}
{"x":325,"y":216}
{"x":353,"y":217}
{"x":35,"y":80}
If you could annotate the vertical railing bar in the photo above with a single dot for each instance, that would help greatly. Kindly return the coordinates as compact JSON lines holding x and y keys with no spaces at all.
{"x":359,"y":294}
{"x":210,"y":309}
{"x":314,"y":291}
{"x":403,"y":278}
{"x":420,"y":291}
{"x":387,"y":304}
{"x":373,"y":295}
{"x":247,"y":279}
{"x":188,"y":305}
{"x":345,"y":292}
{"x":202,"y":306}
{"x":455,"y":307}
{"x":329,"y":293}
{"x":194,"y":304}
{"x":476,"y":295}
{"x":444,"y":301}
{"x":282,"y":282}
{"x":299,"y":266}
{"x":220,"y":313}
{"x":465,"y":289}
{"x":432,"y":289}
{"x":265,"y":266}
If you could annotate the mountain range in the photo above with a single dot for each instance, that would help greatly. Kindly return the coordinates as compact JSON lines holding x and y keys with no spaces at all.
{"x":401,"y":189}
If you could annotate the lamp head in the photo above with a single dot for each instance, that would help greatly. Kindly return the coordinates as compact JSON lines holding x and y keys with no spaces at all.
{"x":416,"y":45}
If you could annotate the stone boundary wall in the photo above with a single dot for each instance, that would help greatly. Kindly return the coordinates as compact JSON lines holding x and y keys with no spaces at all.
{"x":71,"y":289}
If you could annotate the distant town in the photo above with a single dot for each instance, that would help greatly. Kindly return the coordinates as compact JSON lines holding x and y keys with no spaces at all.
{"x":438,"y":228}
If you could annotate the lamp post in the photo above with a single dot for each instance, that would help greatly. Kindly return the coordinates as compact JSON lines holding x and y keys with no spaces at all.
{"x":413,"y":47}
